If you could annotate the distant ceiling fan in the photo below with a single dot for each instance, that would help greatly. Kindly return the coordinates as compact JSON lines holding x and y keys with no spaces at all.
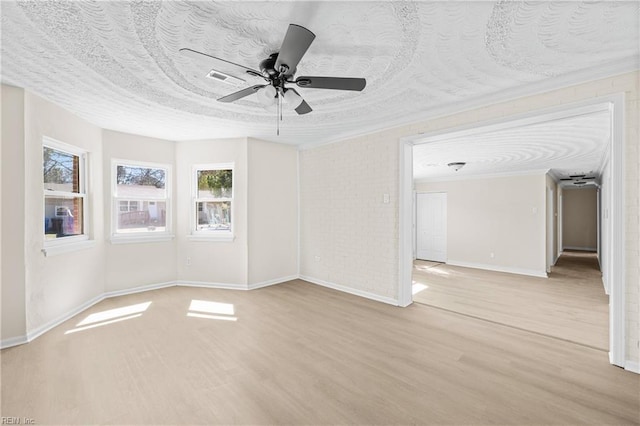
{"x":579,"y":179}
{"x":278,"y":71}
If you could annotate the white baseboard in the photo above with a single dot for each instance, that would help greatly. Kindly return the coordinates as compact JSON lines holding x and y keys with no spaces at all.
{"x":271,"y":282}
{"x":632,"y":366}
{"x":231,"y":286}
{"x":124,"y":292}
{"x":520,"y":271}
{"x":37,"y":332}
{"x":13,"y":341}
{"x":205,"y":284}
{"x":605,"y":285}
{"x":350,"y":290}
{"x":593,"y":249}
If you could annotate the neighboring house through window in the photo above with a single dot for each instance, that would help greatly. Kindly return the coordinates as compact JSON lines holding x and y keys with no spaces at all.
{"x":213,"y":202}
{"x":141,"y":200}
{"x":65,"y":207}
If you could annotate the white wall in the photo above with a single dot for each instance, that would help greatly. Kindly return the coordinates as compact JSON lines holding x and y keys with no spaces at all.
{"x":580,"y":220}
{"x":348,"y":235}
{"x":138,"y":264}
{"x":57,"y":285}
{"x":503,"y":216}
{"x":273,"y":211}
{"x":13,"y":214}
{"x":212,"y":262}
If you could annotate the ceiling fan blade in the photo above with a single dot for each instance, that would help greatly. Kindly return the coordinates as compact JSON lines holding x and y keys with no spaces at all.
{"x":294,"y":46}
{"x":304,"y":107}
{"x":336,"y":83}
{"x":242,"y":93}
{"x":193,"y":54}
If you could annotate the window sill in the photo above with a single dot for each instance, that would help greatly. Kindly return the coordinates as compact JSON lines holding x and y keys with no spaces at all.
{"x":137,"y":239}
{"x":57,"y":249}
{"x":211,"y":238}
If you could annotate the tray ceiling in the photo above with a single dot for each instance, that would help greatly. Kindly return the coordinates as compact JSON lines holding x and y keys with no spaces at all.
{"x":117,"y":65}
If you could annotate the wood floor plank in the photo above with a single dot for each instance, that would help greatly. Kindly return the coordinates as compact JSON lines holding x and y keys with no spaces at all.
{"x":304,"y":354}
{"x":571,"y":304}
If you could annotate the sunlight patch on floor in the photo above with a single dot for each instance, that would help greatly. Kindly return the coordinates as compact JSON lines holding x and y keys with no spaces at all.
{"x":102,"y":323}
{"x":215,"y":317}
{"x":417,"y":288}
{"x":110,"y":316}
{"x":212,"y":310}
{"x":114,"y":313}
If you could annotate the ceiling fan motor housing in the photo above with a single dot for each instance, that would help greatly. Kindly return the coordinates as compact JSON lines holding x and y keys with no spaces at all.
{"x":267,"y":67}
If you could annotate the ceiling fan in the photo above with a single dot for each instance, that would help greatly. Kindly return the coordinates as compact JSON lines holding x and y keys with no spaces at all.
{"x":278,"y":71}
{"x":579,"y":179}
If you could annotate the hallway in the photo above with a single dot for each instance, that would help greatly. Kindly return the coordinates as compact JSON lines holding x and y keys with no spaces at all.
{"x":570,"y":305}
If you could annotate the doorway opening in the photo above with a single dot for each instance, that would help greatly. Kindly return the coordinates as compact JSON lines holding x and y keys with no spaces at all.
{"x":548,"y":246}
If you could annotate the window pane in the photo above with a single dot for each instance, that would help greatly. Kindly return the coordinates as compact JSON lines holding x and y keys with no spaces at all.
{"x":142,"y":216}
{"x":140,"y":182}
{"x":213,"y":216}
{"x":215,"y":183}
{"x":61,"y":171}
{"x":62,"y":217}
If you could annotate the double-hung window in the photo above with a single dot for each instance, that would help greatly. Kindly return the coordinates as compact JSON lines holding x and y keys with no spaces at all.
{"x":65,"y":197}
{"x":212,"y":207}
{"x":141,"y":201}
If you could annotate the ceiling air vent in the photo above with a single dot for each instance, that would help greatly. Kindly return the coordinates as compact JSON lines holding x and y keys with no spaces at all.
{"x":225,"y":78}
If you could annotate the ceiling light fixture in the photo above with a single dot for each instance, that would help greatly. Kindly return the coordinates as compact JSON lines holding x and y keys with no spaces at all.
{"x":457,"y":165}
{"x":267,"y":95}
{"x":292,"y":99}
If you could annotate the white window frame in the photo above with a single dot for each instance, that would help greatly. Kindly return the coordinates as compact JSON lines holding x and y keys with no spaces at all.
{"x":145,"y":236}
{"x":76,"y":242}
{"x":202,"y":235}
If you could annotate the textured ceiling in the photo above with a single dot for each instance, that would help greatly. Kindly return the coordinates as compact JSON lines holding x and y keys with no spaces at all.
{"x":568,"y":146}
{"x":117,"y":64}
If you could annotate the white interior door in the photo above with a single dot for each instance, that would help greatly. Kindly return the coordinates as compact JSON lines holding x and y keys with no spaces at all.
{"x":431,"y":226}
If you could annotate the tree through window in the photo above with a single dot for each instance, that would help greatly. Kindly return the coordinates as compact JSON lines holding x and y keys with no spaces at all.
{"x":214,"y":200}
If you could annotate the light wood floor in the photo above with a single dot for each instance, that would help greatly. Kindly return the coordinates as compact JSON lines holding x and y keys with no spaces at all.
{"x":571,"y":304}
{"x":303,"y":354}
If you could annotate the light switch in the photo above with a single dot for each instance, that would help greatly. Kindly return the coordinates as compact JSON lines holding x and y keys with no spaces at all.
{"x":385,"y":198}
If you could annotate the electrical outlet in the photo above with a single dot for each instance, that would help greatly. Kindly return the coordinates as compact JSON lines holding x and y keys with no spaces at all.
{"x":492,"y":255}
{"x":188,"y":261}
{"x":317,"y":258}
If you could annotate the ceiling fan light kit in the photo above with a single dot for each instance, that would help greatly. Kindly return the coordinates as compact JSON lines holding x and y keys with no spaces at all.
{"x":278,"y":70}
{"x":292,"y":98}
{"x":267,"y":95}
